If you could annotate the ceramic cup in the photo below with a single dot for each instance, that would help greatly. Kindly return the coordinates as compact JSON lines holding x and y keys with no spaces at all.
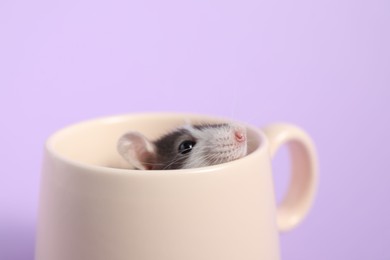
{"x":92,"y":208}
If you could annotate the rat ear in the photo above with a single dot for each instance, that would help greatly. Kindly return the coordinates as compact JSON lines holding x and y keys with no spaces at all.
{"x":137,"y":150}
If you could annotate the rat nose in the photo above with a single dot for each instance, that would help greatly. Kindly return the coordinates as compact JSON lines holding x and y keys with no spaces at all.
{"x":239,"y":135}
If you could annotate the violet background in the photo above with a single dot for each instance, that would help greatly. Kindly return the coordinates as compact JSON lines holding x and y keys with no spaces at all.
{"x":323,"y":65}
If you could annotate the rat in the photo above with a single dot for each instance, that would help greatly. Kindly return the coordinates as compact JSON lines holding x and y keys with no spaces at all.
{"x":188,"y":146}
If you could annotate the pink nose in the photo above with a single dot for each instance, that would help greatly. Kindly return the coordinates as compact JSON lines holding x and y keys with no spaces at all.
{"x":240,"y":136}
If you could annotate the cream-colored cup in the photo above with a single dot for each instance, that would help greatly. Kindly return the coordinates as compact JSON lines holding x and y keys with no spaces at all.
{"x":93,"y":209}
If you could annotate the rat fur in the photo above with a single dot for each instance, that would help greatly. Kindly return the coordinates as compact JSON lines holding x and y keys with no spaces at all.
{"x":189,"y":146}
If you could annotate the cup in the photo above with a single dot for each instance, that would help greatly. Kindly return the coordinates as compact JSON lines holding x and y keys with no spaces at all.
{"x":93,"y":208}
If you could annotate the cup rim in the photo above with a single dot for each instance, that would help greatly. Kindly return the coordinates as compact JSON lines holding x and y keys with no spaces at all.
{"x":50,"y":149}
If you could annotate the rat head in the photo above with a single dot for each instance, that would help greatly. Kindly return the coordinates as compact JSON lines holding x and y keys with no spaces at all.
{"x":189,"y":146}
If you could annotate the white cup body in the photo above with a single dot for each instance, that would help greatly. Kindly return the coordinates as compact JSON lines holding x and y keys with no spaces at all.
{"x":92,"y":209}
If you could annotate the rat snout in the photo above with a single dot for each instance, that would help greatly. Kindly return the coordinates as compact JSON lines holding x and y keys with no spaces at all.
{"x":240,"y":135}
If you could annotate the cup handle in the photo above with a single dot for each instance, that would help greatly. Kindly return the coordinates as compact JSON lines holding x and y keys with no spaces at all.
{"x":303,"y":183}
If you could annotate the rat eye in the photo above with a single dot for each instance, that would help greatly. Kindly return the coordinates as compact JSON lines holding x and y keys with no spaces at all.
{"x":186,"y":146}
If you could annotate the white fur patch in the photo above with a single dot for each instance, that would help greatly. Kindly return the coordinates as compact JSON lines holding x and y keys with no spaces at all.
{"x":216,"y":145}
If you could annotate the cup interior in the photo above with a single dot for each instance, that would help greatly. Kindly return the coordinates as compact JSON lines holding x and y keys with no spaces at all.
{"x":94,"y":142}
